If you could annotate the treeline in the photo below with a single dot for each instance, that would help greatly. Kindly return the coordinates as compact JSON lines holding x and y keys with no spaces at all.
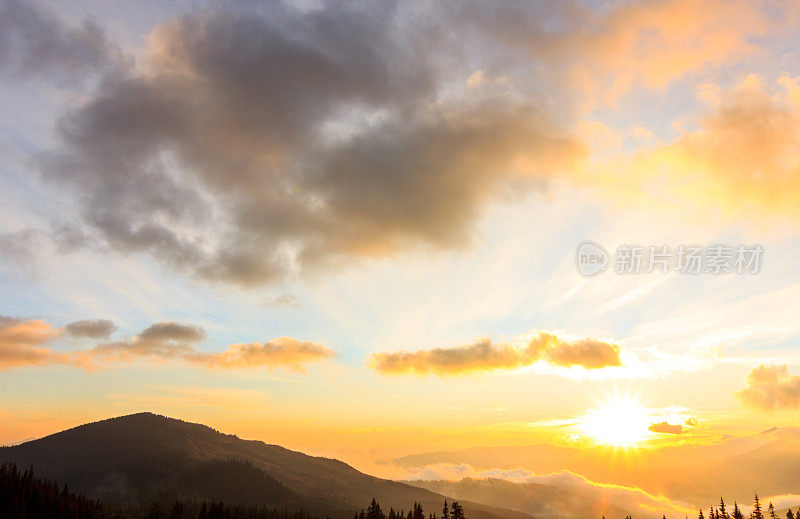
{"x":23,"y":496}
{"x":724,"y":512}
{"x":374,"y":511}
{"x":721,"y":512}
{"x":219,"y":510}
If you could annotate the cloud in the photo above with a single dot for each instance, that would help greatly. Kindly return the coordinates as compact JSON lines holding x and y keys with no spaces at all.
{"x":21,"y":342}
{"x":603,"y":54}
{"x":286,"y":300}
{"x":634,"y":500}
{"x":251,"y":146}
{"x":96,"y":329}
{"x":744,"y":153}
{"x":771,"y":387}
{"x":172,"y":341}
{"x":254,"y":146}
{"x":666,"y":428}
{"x":35,"y":42}
{"x":691,"y":422}
{"x":485,"y":355}
{"x":281,"y":352}
{"x":163,"y":340}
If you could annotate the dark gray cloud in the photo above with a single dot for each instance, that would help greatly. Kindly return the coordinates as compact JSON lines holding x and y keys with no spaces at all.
{"x":34,"y":42}
{"x":94,"y":329}
{"x":250,"y":146}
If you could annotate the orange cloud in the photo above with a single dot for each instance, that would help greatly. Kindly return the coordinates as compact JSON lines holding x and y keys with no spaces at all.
{"x":20,"y":342}
{"x":666,"y":428}
{"x":281,"y":352}
{"x":745,"y":156}
{"x":650,"y":44}
{"x":771,"y":387}
{"x":485,"y":355}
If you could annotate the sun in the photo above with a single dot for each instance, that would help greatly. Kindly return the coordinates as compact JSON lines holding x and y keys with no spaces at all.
{"x":619,"y":422}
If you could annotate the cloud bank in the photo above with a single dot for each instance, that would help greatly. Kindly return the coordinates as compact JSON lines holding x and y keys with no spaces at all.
{"x":632,"y":499}
{"x":485,"y":355}
{"x":24,"y":343}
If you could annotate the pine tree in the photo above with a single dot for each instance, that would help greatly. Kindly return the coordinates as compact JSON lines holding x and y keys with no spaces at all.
{"x":456,"y":511}
{"x":772,"y":512}
{"x":757,"y":509}
{"x":374,"y":510}
{"x":737,"y":512}
{"x":700,"y":515}
{"x":789,"y":514}
{"x":446,"y":511}
{"x":722,"y":512}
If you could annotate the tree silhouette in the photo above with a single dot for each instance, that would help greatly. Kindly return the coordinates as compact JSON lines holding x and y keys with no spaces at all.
{"x":757,"y":509}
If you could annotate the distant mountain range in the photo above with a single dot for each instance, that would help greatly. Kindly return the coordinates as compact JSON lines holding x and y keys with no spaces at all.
{"x":144,"y":458}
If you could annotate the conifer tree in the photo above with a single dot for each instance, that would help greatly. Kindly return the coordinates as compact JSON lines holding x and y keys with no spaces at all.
{"x":700,"y":514}
{"x":456,"y":511}
{"x":789,"y":514}
{"x":757,"y":509}
{"x":737,"y":512}
{"x":722,"y":512}
{"x":446,"y":511}
{"x":772,"y":512}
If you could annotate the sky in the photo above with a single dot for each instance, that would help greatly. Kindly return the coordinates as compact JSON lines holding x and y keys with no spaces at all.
{"x":353,"y":229}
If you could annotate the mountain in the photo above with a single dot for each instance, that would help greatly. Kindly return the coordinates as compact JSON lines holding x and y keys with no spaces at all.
{"x":144,"y":457}
{"x":541,"y":501}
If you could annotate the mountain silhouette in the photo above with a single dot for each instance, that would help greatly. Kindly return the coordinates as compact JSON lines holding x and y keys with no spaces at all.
{"x":142,"y":458}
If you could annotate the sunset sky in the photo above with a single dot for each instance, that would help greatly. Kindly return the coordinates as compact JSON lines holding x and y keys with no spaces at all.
{"x":351,"y":229}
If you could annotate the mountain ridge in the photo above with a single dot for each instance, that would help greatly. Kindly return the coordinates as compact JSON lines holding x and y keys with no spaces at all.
{"x":146,"y":456}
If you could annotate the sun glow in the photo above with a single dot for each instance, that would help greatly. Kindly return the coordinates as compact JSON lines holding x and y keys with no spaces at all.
{"x":621,"y":422}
